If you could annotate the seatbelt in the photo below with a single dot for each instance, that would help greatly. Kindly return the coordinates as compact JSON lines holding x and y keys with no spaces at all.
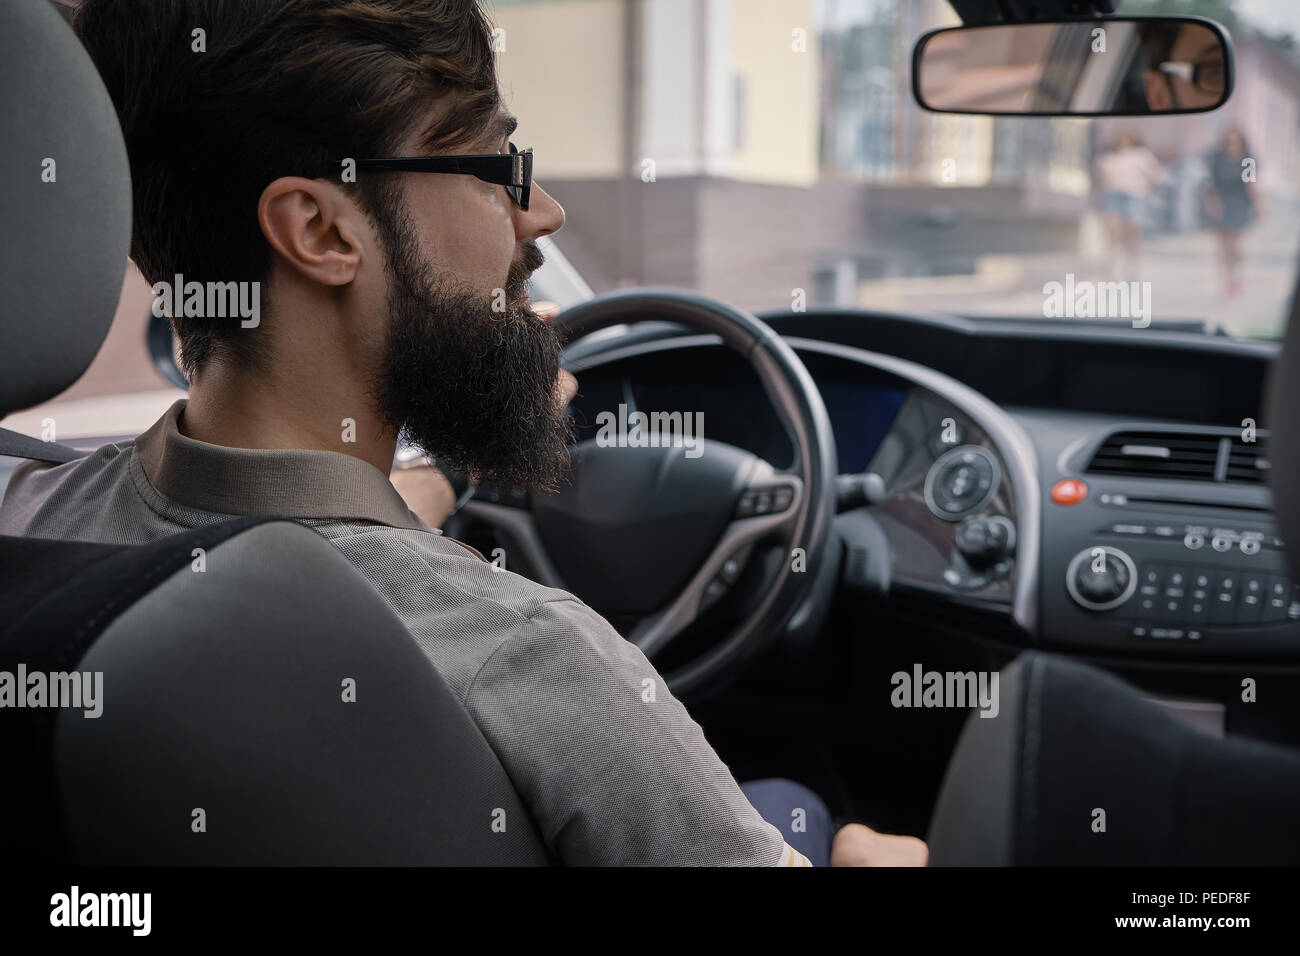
{"x":17,"y":445}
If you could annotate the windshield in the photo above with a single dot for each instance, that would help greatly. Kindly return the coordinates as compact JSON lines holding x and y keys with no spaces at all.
{"x":770,"y":153}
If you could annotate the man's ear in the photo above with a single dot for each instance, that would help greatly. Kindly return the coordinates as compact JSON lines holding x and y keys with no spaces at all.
{"x":315,"y":228}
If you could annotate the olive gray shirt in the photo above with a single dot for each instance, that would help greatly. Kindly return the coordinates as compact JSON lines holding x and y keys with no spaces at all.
{"x":610,"y":765}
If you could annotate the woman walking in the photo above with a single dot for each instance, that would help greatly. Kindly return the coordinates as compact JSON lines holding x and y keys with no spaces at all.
{"x":1126,"y":175}
{"x":1232,"y":203}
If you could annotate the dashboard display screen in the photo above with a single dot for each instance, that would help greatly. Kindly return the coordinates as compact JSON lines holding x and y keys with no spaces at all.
{"x":736,"y":410}
{"x":861,"y":415}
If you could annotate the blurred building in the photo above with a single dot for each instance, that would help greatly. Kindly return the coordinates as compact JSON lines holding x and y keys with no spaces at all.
{"x":751,"y":148}
{"x":676,"y":133}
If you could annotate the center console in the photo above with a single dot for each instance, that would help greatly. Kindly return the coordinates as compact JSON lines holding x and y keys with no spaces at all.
{"x":1154,"y":572}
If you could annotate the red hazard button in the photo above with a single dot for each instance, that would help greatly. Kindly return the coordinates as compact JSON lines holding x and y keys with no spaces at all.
{"x":1069,"y":491}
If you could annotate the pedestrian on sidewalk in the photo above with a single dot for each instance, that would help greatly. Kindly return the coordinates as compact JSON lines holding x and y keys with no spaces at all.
{"x":1125,"y":174}
{"x":1232,"y":202}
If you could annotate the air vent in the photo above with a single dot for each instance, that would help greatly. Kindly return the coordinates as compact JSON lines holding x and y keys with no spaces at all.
{"x":1248,"y":463}
{"x":1188,"y":457}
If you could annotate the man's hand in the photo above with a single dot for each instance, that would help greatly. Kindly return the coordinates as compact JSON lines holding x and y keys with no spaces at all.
{"x":858,"y":845}
{"x":566,"y":386}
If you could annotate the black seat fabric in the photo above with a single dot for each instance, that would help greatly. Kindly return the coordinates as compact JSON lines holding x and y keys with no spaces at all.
{"x":1025,"y":788}
{"x":226,"y":691}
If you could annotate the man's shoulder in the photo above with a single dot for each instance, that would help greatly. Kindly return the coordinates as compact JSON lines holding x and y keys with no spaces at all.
{"x":458,"y":566}
{"x":42,"y":498}
{"x":566,"y":648}
{"x":32,"y":476}
{"x":460,"y":608}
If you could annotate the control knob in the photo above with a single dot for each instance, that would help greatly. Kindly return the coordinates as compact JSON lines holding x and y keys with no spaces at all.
{"x":983,"y":541}
{"x":1101,"y":578}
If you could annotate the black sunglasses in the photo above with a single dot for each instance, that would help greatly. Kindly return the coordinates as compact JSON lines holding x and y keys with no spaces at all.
{"x":514,"y":170}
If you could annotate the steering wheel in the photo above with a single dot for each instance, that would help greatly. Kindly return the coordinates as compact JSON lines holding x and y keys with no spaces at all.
{"x":657,"y":535}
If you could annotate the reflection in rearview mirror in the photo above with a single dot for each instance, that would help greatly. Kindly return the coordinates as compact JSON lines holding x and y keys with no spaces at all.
{"x":1122,"y":67}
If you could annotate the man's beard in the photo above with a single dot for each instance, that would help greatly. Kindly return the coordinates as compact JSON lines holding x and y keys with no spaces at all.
{"x":472,"y":387}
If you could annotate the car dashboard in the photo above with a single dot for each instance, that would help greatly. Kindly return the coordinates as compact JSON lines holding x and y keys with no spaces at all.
{"x":1034,"y":521}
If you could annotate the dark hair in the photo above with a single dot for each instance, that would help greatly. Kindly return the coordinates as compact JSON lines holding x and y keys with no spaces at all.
{"x":285,"y":87}
{"x":1241,"y":134}
{"x":1157,"y":38}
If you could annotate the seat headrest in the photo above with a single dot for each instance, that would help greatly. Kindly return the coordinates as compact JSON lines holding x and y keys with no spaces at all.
{"x":1284,"y":451}
{"x":65,"y":192}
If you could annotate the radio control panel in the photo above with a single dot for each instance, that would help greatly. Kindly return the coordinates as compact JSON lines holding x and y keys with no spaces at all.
{"x":1155,"y":583}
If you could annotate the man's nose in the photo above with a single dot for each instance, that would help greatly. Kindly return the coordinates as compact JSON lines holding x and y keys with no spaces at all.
{"x":544,"y":215}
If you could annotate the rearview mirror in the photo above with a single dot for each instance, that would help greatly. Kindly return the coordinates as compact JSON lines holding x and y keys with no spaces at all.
{"x":1120,"y":67}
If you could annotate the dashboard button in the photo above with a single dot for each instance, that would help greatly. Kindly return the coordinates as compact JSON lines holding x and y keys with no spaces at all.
{"x":1223,"y":599}
{"x":961,"y":482}
{"x":1198,"y":595}
{"x":1147,"y":608}
{"x":1250,"y":602}
{"x":1221,"y":543}
{"x":1069,"y":491}
{"x":1173,"y":596}
{"x":1147,"y":605}
{"x":713,"y":592}
{"x":1151,"y":580}
{"x":1193,"y":541}
{"x":1249,"y":546}
{"x":1275,"y":598}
